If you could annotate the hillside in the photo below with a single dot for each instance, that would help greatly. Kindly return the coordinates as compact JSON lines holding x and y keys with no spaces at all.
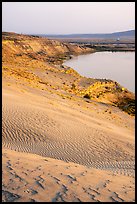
{"x":29,"y":57}
{"x":124,"y":34}
{"x":65,"y":138}
{"x":36,"y":48}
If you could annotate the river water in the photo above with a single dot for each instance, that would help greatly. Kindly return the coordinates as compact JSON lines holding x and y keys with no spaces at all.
{"x":118,"y":66}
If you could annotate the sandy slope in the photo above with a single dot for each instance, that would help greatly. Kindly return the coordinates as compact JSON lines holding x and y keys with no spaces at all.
{"x":45,"y":124}
{"x":57,"y":144}
{"x":32,"y":124}
{"x":29,"y":177}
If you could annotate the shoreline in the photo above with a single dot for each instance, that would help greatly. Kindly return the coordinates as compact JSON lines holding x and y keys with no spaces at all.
{"x":75,"y":58}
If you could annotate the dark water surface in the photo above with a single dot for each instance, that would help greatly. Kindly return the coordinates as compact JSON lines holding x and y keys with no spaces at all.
{"x":118,"y":66}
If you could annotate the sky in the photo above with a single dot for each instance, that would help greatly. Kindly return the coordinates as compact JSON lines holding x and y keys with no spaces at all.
{"x":67,"y":17}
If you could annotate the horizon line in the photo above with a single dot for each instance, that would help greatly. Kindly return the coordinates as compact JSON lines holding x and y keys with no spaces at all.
{"x":67,"y":33}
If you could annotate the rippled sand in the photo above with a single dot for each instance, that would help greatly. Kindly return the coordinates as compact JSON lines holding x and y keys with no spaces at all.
{"x":46,"y":125}
{"x":32,"y":178}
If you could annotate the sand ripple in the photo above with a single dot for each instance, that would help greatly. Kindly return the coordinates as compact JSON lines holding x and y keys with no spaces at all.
{"x":31,"y":178}
{"x":33,"y":128}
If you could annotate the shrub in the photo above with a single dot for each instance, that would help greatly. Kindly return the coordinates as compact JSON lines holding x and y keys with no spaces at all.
{"x":87,"y":96}
{"x":73,"y":86}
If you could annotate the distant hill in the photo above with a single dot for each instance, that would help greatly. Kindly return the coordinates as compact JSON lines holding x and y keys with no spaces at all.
{"x":124,"y":34}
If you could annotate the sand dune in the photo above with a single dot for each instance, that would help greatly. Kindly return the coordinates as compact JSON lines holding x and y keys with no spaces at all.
{"x":57,"y":131}
{"x":43,"y":124}
{"x":32,"y":178}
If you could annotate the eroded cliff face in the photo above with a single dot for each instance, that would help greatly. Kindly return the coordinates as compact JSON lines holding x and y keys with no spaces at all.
{"x":37,"y":62}
{"x":38,"y":48}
